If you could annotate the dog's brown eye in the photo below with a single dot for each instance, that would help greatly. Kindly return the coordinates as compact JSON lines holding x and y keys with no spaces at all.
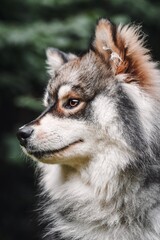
{"x":71,"y":103}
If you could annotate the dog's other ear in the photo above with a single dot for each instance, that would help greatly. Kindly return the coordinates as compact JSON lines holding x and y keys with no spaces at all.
{"x":56,"y":58}
{"x":122,"y":48}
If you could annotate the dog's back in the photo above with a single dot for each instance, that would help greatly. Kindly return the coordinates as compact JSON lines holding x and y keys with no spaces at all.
{"x":98,"y":142}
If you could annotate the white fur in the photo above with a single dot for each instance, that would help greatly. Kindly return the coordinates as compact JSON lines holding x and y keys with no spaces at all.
{"x":54,"y":133}
{"x":63,"y":91}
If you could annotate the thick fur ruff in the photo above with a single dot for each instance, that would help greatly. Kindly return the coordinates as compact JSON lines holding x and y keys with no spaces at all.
{"x":98,"y":142}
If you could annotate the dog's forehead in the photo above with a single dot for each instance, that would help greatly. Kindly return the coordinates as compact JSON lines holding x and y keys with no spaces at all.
{"x":68,"y":74}
{"x":82,"y":74}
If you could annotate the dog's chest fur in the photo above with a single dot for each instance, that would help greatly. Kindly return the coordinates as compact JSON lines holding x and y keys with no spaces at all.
{"x":78,"y":210}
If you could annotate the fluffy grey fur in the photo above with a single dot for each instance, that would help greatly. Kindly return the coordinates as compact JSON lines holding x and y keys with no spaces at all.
{"x":106,"y":185}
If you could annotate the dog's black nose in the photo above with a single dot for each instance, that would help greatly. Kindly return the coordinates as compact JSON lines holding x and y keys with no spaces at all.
{"x":23,"y":134}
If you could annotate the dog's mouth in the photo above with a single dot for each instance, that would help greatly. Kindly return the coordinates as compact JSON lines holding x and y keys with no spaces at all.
{"x":47,"y":153}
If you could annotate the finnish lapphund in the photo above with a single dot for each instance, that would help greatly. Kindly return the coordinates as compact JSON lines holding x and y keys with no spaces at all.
{"x":97,"y":144}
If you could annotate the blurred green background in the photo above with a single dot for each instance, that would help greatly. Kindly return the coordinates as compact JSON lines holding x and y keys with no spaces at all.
{"x":27,"y":28}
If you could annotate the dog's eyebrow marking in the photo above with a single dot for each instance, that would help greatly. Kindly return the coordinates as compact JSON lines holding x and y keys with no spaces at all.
{"x":64,"y":90}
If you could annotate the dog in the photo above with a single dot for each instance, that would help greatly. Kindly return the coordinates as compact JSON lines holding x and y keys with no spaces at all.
{"x":97,"y":144}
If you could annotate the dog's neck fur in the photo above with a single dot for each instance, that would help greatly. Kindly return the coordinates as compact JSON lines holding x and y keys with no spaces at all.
{"x":88,"y":174}
{"x":79,"y":195}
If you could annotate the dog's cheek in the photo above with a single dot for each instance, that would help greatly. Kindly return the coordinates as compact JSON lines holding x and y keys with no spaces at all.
{"x":54,"y":133}
{"x":104,"y":111}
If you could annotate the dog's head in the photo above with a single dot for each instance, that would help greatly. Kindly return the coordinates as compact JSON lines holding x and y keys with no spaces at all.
{"x":95,"y":100}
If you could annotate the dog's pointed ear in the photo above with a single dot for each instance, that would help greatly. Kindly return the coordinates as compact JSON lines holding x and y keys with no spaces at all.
{"x":56,"y":58}
{"x":110,"y":46}
{"x":122,"y":48}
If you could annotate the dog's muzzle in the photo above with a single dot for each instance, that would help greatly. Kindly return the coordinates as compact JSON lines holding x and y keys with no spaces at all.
{"x":24,"y":134}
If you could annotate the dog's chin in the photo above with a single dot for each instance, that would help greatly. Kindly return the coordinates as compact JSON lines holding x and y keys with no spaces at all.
{"x":52,"y":156}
